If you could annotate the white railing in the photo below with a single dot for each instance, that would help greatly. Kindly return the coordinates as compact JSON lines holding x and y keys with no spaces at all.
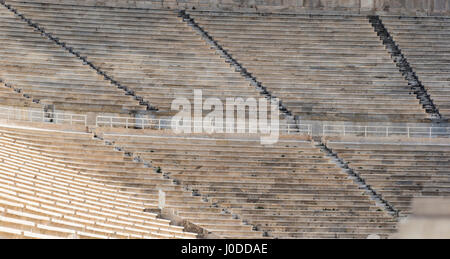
{"x":33,"y":115}
{"x":385,"y":131}
{"x":129,"y":122}
{"x":160,"y":124}
{"x":299,"y":128}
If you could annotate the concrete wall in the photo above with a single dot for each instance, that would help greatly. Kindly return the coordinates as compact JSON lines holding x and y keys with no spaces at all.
{"x":408,"y":7}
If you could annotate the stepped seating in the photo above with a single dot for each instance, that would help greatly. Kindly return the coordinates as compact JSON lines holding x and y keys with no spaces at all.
{"x":10,"y":98}
{"x":48,"y":73}
{"x":424,"y":42}
{"x":153,"y":52}
{"x":398,"y":170}
{"x":106,"y":168}
{"x":321,"y":67}
{"x":289,"y":190}
{"x":44,"y":197}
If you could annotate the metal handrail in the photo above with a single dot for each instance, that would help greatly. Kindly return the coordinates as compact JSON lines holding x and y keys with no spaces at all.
{"x":148,"y":123}
{"x":386,"y":131}
{"x":33,"y":115}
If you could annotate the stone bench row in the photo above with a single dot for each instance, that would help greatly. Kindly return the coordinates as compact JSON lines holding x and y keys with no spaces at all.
{"x":424,"y":43}
{"x":132,"y":178}
{"x":397,"y":179}
{"x":57,"y":179}
{"x":210,"y":182}
{"x":116,"y":61}
{"x":263,"y":67}
{"x":16,"y":66}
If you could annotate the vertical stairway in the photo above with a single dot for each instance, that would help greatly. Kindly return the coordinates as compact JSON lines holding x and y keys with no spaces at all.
{"x":405,"y":68}
{"x":238,"y":67}
{"x":358,"y":180}
{"x":83,"y":59}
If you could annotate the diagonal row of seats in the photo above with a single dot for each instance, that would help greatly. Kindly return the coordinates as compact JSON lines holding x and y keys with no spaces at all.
{"x":398,"y":169}
{"x":10,"y":98}
{"x":322,"y":67}
{"x":46,"y":72}
{"x":288,"y":190}
{"x":424,"y":42}
{"x":49,"y":172}
{"x":42,"y":197}
{"x":153,"y":52}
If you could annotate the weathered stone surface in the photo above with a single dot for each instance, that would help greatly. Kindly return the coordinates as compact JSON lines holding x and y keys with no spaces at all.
{"x":413,"y":36}
{"x":73,"y":220}
{"x":367,"y":5}
{"x":410,"y":7}
{"x":378,"y":161}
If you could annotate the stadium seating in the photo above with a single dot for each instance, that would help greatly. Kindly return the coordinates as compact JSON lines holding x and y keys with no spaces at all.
{"x":105,"y":168}
{"x":10,"y":98}
{"x":48,"y":73}
{"x":321,"y":67}
{"x":398,"y":169}
{"x":86,"y":181}
{"x":289,"y":190}
{"x":153,"y":52}
{"x":42,"y":196}
{"x":424,"y":42}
